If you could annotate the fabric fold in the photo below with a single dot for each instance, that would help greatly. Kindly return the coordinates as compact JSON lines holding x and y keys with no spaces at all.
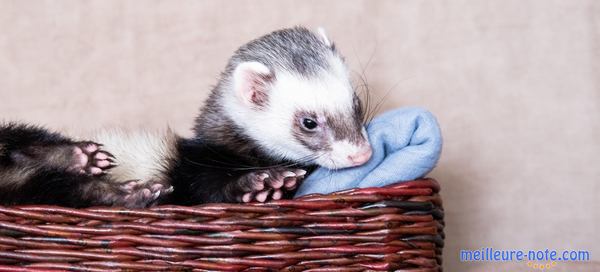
{"x":406,"y":143}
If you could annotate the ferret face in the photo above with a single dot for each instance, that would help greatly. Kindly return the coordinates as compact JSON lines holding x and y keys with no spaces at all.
{"x":313,"y":119}
{"x":324,"y":121}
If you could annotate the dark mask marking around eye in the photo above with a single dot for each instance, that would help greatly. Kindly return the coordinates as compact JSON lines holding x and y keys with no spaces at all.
{"x":345,"y":127}
{"x":313,"y":140}
{"x":357,"y":108}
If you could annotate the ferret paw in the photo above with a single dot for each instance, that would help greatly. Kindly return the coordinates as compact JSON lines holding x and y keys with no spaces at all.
{"x":90,"y":159}
{"x":141,"y":194}
{"x":263,"y":185}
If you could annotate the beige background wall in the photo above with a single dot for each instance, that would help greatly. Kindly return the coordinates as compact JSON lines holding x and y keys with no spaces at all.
{"x":515,"y":85}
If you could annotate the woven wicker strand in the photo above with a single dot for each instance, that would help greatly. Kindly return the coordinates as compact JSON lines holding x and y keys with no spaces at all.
{"x":394,"y":228}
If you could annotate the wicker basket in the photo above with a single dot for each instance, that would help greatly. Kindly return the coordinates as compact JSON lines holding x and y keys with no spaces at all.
{"x":397,"y":228}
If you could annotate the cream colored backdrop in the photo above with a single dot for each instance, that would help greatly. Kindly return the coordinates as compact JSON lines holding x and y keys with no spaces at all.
{"x":515,"y":85}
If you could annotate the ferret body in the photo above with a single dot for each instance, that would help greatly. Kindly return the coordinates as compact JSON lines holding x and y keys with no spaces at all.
{"x":283,"y":104}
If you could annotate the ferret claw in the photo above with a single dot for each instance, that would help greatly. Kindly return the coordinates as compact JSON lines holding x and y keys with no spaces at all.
{"x":288,"y":174}
{"x":263,"y":176}
{"x":92,"y":160}
{"x":300,"y":172}
{"x":110,"y":155}
{"x":139,"y":194}
{"x":268,"y":184}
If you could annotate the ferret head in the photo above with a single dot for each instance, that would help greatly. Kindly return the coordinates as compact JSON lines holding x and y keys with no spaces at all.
{"x":290,"y":92}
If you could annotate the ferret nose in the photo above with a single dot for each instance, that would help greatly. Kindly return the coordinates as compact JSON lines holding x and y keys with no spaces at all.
{"x":361,"y":157}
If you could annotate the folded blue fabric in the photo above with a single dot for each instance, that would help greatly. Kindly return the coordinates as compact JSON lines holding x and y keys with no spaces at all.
{"x":406,"y":145}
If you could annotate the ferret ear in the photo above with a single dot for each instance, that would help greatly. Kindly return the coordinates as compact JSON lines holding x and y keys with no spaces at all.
{"x":323,"y":36}
{"x":251,"y":81}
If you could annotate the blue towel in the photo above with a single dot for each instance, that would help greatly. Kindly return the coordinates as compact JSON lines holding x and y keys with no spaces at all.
{"x":406,"y":145}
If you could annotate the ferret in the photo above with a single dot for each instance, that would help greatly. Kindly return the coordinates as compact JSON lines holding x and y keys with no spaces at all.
{"x":283,"y":105}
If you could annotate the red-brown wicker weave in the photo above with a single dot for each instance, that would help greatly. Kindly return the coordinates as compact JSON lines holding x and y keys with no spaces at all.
{"x":399,"y":227}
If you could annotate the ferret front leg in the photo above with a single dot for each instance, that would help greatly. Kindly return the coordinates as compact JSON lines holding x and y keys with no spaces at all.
{"x":78,"y":157}
{"x":139,"y":193}
{"x":261,"y":185}
{"x":41,"y":167}
{"x":29,"y":146}
{"x":54,"y":187}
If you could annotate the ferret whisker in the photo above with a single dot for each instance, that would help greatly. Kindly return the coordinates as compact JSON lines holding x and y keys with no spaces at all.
{"x":300,"y":161}
{"x":213,"y":166}
{"x":368,"y":111}
{"x":382,"y":99}
{"x":364,"y":101}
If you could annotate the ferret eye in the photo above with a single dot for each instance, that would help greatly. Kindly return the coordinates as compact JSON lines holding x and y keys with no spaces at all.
{"x":309,"y":124}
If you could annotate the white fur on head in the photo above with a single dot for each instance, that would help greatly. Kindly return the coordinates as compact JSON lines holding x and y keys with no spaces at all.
{"x":271,"y":126}
{"x":250,"y":80}
{"x":323,"y":36}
